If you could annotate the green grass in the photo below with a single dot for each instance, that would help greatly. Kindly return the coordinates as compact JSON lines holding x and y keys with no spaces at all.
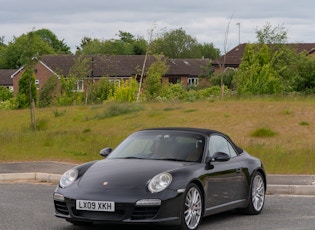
{"x":77,"y":134}
{"x":263,"y":132}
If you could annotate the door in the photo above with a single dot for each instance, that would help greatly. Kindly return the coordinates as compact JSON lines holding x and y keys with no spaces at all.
{"x":225,"y":180}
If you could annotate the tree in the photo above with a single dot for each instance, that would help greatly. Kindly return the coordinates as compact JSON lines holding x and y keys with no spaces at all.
{"x":48,"y":92}
{"x":207,"y":50}
{"x":176,"y":44}
{"x":255,"y":75}
{"x":3,"y":48}
{"x":272,"y":66}
{"x":153,"y":83}
{"x":73,"y":85}
{"x":226,"y":77}
{"x":22,"y":49}
{"x":270,"y":35}
{"x":304,"y":81}
{"x":27,"y":88}
{"x":59,"y":46}
{"x":127,"y":44}
{"x":295,"y":69}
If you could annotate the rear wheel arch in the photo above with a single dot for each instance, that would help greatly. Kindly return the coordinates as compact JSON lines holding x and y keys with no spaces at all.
{"x":256,"y":193}
{"x":264,"y":176}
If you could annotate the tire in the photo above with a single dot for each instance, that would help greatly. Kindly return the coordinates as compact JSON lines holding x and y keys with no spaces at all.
{"x":192,"y":209}
{"x":257,"y":195}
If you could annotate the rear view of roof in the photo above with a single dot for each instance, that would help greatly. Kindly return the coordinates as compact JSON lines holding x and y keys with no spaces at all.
{"x":123,"y":65}
{"x":5,"y":77}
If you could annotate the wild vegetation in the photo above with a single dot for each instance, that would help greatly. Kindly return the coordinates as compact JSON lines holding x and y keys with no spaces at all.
{"x":267,"y":105}
{"x":280,"y":131}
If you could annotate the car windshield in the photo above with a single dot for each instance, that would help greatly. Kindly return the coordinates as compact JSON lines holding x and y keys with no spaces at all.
{"x":161,"y":145}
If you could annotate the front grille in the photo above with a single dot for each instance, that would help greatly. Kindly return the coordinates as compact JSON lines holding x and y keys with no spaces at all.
{"x":118,"y":215}
{"x":140,"y":213}
{"x":61,"y":207}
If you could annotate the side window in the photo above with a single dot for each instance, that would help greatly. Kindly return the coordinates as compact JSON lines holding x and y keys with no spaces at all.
{"x":220,"y":144}
{"x":232,"y":151}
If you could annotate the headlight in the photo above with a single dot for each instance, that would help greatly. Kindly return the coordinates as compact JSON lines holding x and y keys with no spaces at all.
{"x":159,"y":182}
{"x":68,"y":177}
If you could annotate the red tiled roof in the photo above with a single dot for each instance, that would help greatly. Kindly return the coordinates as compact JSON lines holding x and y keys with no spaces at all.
{"x":233,"y":57}
{"x":122,"y":65}
{"x":5,"y":77}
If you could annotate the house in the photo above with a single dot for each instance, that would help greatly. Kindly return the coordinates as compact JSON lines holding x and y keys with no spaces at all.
{"x":114,"y":67}
{"x":233,"y":58}
{"x":5,"y":78}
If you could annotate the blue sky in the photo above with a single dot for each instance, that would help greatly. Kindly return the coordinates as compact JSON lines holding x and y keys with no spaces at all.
{"x":205,"y":20}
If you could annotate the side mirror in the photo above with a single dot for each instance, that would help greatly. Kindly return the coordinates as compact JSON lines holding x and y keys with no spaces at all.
{"x":105,"y":152}
{"x":220,"y":156}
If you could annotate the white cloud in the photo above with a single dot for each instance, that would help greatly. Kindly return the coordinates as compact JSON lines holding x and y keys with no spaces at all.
{"x":203,"y":19}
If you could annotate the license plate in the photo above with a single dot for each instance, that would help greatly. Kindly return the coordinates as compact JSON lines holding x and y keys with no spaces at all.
{"x":90,"y":205}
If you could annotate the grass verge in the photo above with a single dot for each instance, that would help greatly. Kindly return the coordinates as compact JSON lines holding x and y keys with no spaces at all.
{"x":76,"y":134}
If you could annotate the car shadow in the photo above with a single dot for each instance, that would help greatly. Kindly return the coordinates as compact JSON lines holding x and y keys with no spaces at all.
{"x":207,"y":221}
{"x":111,"y":227}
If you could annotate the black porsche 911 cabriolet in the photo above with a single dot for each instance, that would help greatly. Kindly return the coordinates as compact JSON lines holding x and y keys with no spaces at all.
{"x":163,"y":176}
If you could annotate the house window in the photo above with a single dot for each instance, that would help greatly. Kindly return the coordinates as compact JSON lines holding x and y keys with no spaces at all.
{"x":193,"y":81}
{"x":174,"y":80}
{"x":37,"y":84}
{"x":79,"y":87}
{"x":115,"y":81}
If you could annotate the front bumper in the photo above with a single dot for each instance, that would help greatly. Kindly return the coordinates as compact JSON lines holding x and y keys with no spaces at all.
{"x":167,"y":213}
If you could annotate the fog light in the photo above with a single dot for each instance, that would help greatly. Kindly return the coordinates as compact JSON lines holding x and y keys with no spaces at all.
{"x":149,"y":202}
{"x":59,"y":197}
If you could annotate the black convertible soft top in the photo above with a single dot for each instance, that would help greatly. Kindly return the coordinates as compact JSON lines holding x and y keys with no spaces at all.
{"x":207,"y":132}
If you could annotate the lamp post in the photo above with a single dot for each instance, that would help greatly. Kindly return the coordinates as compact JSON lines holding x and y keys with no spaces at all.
{"x":239,"y":32}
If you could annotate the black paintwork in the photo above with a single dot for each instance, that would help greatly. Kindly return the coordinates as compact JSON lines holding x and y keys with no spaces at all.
{"x":225,"y":184}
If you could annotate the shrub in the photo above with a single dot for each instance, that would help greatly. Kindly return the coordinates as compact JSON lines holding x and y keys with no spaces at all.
{"x":5,"y":94}
{"x":101,"y":91}
{"x":48,"y":92}
{"x":172,"y":91}
{"x":119,"y":109}
{"x":211,"y":91}
{"x":304,"y":123}
{"x":263,"y":132}
{"x":27,"y":88}
{"x":9,"y":104}
{"x":127,"y":91}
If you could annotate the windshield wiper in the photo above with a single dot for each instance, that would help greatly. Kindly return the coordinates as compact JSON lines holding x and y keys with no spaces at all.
{"x":171,"y":159}
{"x":133,"y":158}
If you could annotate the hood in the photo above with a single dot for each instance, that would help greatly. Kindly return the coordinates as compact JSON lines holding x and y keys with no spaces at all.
{"x":123,"y":175}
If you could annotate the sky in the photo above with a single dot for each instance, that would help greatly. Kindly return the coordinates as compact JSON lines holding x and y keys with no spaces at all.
{"x":224,"y":23}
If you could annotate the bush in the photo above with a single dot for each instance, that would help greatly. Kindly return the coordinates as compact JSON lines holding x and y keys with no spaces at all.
{"x":101,"y":91}
{"x":5,"y":94}
{"x":27,"y":91}
{"x":263,"y":132}
{"x":211,"y":91}
{"x":48,"y":92}
{"x":9,"y":104}
{"x":127,"y":91}
{"x":172,"y":92}
{"x":119,"y":109}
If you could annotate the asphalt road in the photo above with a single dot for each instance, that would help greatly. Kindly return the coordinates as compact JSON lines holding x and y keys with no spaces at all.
{"x":30,"y":207}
